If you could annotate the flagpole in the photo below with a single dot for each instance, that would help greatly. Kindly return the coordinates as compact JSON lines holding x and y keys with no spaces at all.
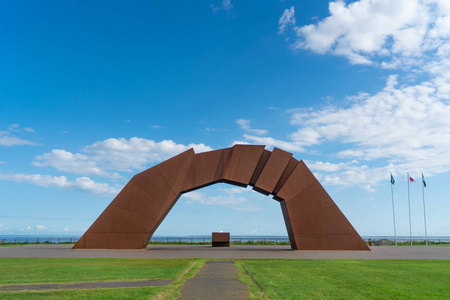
{"x":409,"y":207}
{"x":393,"y":210}
{"x":424,"y":214}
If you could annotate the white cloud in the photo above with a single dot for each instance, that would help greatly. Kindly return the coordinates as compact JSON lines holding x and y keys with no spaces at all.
{"x":258,"y":232}
{"x":104,"y":157}
{"x":133,"y":154}
{"x":209,"y":129}
{"x":4,"y":227}
{"x":87,"y":185}
{"x":403,"y":127}
{"x":287,"y":19}
{"x":327,"y":166}
{"x":234,"y":190}
{"x":16,"y":128}
{"x":40,"y":227}
{"x":13,"y":127}
{"x":37,"y":228}
{"x":225,"y":5}
{"x":245,"y":125}
{"x":271,"y":142}
{"x":397,"y":33}
{"x":66,"y":229}
{"x":239,"y":143}
{"x":408,"y":127}
{"x":8,"y":141}
{"x":235,"y":203}
{"x":29,"y":130}
{"x":84,"y":184}
{"x":37,"y":179}
{"x":397,"y":123}
{"x":71,"y":163}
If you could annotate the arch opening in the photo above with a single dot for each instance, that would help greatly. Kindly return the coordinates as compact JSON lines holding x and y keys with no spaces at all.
{"x":223,"y":207}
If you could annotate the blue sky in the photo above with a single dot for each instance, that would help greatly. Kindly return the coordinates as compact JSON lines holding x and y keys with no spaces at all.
{"x":92,"y":93}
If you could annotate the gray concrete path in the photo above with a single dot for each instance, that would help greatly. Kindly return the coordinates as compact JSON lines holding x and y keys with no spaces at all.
{"x":216,"y":280}
{"x":234,"y":252}
{"x":83,"y":285}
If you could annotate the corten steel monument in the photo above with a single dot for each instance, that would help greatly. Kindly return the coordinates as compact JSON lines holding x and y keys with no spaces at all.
{"x":313,"y":220}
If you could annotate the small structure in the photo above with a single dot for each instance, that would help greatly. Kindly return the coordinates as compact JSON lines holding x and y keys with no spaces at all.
{"x":221,"y":239}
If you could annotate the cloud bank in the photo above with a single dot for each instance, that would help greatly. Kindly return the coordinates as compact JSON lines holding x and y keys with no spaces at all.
{"x":105,"y":159}
{"x":84,"y":184}
{"x":392,"y":33}
{"x":403,"y":127}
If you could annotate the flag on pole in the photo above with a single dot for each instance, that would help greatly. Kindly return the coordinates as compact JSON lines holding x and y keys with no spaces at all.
{"x":392,"y":179}
{"x":411,"y":179}
{"x":423,"y":180}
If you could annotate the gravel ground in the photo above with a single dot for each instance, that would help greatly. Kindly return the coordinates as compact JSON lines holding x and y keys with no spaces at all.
{"x":216,"y":280}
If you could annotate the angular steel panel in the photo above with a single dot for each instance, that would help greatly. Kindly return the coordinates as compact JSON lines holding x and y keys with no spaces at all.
{"x":174,"y":170}
{"x":288,"y":224}
{"x":122,"y":221}
{"x":188,"y":184}
{"x":152,"y":182}
{"x":299,"y":180}
{"x":223,"y":163}
{"x":242,"y":164}
{"x":286,"y":173}
{"x":325,"y":220}
{"x":273,"y":170}
{"x":203,"y":170}
{"x":330,"y":241}
{"x":312,"y":198}
{"x":134,"y":199}
{"x":260,"y":166}
{"x":312,"y":213}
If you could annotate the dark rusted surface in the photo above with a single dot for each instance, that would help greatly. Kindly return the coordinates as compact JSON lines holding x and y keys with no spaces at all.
{"x":220,"y":239}
{"x":286,"y":173}
{"x":272,"y":171}
{"x":242,"y":163}
{"x":313,"y":221}
{"x":260,"y":166}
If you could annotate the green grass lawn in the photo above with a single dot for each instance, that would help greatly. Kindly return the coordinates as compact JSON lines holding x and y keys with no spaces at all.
{"x":56,"y":270}
{"x":278,"y":279}
{"x":349,"y":279}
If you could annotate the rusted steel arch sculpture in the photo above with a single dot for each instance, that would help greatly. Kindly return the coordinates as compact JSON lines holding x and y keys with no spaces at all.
{"x":313,"y":220}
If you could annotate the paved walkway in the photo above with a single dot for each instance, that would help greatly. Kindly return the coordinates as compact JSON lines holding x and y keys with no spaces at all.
{"x":216,"y":280}
{"x":234,"y":252}
{"x":83,"y":285}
